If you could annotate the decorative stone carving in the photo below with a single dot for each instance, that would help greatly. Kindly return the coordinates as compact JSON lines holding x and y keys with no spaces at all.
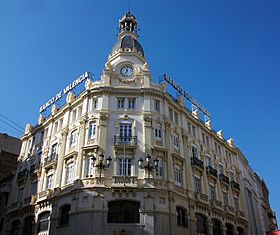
{"x":108,"y":66}
{"x":41,"y":119}
{"x":181,"y":101}
{"x":220,"y":134}
{"x":54,"y":110}
{"x":231,"y":142}
{"x":28,"y":128}
{"x":208,"y":124}
{"x":70,"y":98}
{"x":88,"y":84}
{"x":147,"y":120}
{"x":164,"y":87}
{"x":145,"y":67}
{"x":195,"y":113}
{"x":103,"y":120}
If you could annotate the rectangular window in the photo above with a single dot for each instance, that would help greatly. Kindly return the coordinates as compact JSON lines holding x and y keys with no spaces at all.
{"x":34,"y":189}
{"x":49,"y":183}
{"x":171,"y":114}
{"x":175,"y":141}
{"x":131,"y":103}
{"x":221,"y":169}
{"x":73,"y":138}
{"x":70,"y":173}
{"x":176,"y":117}
{"x":158,"y":133}
{"x":209,"y":161}
{"x":20,"y":193}
{"x":207,"y":141}
{"x":94,"y":103}
{"x":124,"y":166}
{"x":74,"y":113}
{"x":236,"y":203}
{"x":92,"y":130}
{"x":194,"y":152}
{"x":125,"y":132}
{"x":79,"y":113}
{"x":197,"y":184}
{"x":178,"y":175}
{"x":225,"y":197}
{"x":212,"y":192}
{"x":120,"y":103}
{"x":157,"y":105}
{"x":89,"y":167}
{"x":159,"y":169}
{"x":54,"y":151}
{"x":189,"y":128}
{"x":193,"y":131}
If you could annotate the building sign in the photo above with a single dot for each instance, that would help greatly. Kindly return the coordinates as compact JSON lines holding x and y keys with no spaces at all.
{"x":64,"y":91}
{"x":195,"y":104}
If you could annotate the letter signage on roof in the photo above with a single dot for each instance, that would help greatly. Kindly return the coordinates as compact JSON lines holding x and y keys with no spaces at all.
{"x":64,"y":91}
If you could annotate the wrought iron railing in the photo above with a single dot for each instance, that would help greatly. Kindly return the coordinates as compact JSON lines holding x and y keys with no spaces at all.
{"x":125,"y":140}
{"x":211,"y":171}
{"x":223,"y":178}
{"x":197,"y":162}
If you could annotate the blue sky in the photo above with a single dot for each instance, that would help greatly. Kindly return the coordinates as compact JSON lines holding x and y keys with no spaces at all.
{"x":225,"y":54}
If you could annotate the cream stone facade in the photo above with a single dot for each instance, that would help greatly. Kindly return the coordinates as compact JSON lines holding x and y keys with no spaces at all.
{"x":194,"y":182}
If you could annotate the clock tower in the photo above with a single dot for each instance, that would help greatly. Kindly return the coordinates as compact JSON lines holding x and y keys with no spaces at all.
{"x":126,"y":65}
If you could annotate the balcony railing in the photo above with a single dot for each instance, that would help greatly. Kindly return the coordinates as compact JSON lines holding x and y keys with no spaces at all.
{"x":125,"y":180}
{"x":125,"y":141}
{"x":235,"y":185}
{"x":224,"y":179}
{"x":50,"y":159}
{"x":197,"y":163}
{"x":22,"y":175}
{"x":211,"y":171}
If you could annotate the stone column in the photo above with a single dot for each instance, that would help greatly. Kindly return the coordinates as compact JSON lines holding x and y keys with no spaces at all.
{"x":210,"y":227}
{"x":59,"y":169}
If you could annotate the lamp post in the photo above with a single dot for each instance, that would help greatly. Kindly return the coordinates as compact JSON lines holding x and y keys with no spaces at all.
{"x":148,"y":166}
{"x":100,"y":165}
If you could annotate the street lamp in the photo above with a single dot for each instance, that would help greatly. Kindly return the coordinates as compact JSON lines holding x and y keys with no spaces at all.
{"x":148,"y":165}
{"x":100,"y":165}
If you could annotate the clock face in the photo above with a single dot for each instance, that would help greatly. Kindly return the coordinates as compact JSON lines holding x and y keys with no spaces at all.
{"x":126,"y":71}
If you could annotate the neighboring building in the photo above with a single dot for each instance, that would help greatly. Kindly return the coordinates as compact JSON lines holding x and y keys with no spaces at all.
{"x":9,"y":152}
{"x":195,"y":182}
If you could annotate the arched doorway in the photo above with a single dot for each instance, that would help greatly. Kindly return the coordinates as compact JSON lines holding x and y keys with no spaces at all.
{"x":229,"y":228}
{"x":201,"y":224}
{"x":217,"y":227}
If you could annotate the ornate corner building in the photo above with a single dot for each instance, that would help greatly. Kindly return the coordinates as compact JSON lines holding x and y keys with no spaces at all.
{"x":124,"y":157}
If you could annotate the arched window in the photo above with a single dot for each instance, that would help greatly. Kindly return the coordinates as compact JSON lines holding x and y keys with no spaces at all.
{"x":64,"y":215}
{"x":15,"y":227}
{"x":240,"y":231}
{"x":229,"y":229}
{"x":201,"y":224}
{"x":123,"y":211}
{"x":182,"y":218}
{"x":217,"y":227}
{"x":43,"y":221}
{"x":28,"y":225}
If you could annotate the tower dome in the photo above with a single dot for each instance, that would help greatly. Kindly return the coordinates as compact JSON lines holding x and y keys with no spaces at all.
{"x":127,"y":37}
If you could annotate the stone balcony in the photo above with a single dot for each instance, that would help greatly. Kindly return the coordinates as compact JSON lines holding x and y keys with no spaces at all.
{"x":201,"y":197}
{"x":211,"y":172}
{"x":50,"y":160}
{"x":217,"y":204}
{"x":235,"y":185}
{"x":229,"y":209}
{"x":197,"y":164}
{"x":224,"y":179}
{"x":124,"y":181}
{"x":29,"y":200}
{"x":46,"y":194}
{"x":125,"y":141}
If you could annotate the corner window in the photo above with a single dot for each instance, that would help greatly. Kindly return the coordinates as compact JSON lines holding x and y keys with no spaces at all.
{"x":64,"y":215}
{"x":182,"y":218}
{"x":92,"y":130}
{"x":89,"y":167}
